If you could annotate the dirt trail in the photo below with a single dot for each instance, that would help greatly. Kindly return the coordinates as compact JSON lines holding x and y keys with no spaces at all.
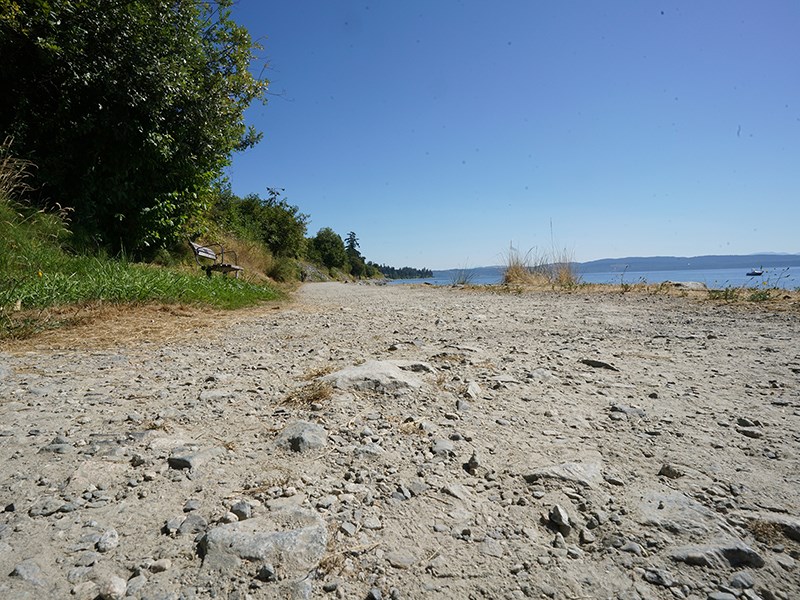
{"x":407,"y":442}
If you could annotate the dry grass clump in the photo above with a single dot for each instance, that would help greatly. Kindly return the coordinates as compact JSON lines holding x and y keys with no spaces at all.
{"x":14,"y":172}
{"x":554,"y":269}
{"x":313,"y":393}
{"x":318,"y":372}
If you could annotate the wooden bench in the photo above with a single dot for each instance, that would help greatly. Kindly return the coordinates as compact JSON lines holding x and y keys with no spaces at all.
{"x":203,"y":254}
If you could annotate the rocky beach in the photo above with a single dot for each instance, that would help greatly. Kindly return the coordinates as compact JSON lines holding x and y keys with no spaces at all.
{"x":387,"y":442}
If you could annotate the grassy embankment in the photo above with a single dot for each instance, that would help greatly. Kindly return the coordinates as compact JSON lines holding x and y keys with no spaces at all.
{"x":39,"y":273}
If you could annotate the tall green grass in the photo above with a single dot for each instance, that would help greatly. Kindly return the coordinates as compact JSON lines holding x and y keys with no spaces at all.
{"x":38,"y":271}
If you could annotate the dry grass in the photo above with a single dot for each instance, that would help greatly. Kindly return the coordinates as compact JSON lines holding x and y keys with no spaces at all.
{"x":318,"y":372}
{"x":533,"y":269}
{"x":98,"y":325}
{"x":316,"y":392}
{"x":14,"y":172}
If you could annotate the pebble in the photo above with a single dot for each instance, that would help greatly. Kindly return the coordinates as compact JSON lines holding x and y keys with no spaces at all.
{"x":112,"y":587}
{"x":242,"y":509}
{"x":108,"y":541}
{"x":443,"y":447}
{"x":721,"y":596}
{"x":160,"y":565}
{"x":671,"y":471}
{"x":742,"y":580}
{"x":29,"y":570}
{"x":558,"y":516}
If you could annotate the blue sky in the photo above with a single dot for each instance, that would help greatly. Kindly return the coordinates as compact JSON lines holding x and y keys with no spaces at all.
{"x":443,"y":131}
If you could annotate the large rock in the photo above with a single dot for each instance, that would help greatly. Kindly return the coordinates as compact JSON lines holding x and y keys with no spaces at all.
{"x":733,"y":553}
{"x":301,"y":436}
{"x":677,"y":513}
{"x":586,"y":473}
{"x":379,"y":375}
{"x":291,"y":542}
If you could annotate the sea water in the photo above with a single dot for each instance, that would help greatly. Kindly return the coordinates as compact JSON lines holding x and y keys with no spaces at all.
{"x":787,"y":278}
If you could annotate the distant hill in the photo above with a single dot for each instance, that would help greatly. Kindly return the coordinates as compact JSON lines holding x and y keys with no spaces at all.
{"x":679,"y":263}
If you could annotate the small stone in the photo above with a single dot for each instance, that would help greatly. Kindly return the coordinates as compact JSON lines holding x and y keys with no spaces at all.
{"x":45,"y":507}
{"x":108,"y":541}
{"x":473,"y":463}
{"x":194,"y":523}
{"x":632,"y":548}
{"x":787,"y":563}
{"x":400,"y":559}
{"x":586,"y":536}
{"x":456,"y":490}
{"x":751,"y":432}
{"x":242,"y":509}
{"x":558,"y":541}
{"x":330,"y":586}
{"x":160,"y":565}
{"x":443,"y":447}
{"x":742,"y":580}
{"x":171,"y":527}
{"x":302,"y":436}
{"x":191,"y":505}
{"x":558,"y":515}
{"x":658,"y":577}
{"x":374,"y":594}
{"x":267,"y":573}
{"x":135,"y":585}
{"x":371,"y":522}
{"x":348,"y":528}
{"x":113,"y":588}
{"x":670,"y":471}
{"x":473,"y":390}
{"x":29,"y":570}
{"x":721,"y":596}
{"x":87,"y":559}
{"x":192,"y":460}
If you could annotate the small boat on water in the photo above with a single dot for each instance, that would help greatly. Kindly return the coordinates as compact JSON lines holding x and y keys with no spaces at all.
{"x":755,"y":273}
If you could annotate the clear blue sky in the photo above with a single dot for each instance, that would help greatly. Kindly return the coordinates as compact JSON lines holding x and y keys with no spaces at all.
{"x":440,"y":131}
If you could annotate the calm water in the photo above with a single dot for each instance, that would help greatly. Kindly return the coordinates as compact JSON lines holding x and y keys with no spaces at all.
{"x":786,"y":278}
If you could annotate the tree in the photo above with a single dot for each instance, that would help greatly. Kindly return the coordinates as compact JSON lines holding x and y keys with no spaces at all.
{"x":351,"y":243}
{"x":129,"y":108}
{"x":358,"y":267}
{"x":327,"y":247}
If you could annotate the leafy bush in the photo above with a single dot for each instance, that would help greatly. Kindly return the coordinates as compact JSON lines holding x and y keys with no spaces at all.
{"x":130,"y":109}
{"x":272,"y":221}
{"x":328,"y":249}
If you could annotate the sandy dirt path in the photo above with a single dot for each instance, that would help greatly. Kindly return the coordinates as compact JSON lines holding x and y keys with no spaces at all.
{"x":408,"y":442}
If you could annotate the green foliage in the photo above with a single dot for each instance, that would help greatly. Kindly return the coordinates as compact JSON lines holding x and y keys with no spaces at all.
{"x":402,"y":272}
{"x":36,"y":273}
{"x":129,"y":108}
{"x":727,"y":294}
{"x":280,"y":226}
{"x":284,"y":269}
{"x":328,"y":249}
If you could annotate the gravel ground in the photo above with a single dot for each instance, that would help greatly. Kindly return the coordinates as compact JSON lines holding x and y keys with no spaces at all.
{"x":408,"y":442}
